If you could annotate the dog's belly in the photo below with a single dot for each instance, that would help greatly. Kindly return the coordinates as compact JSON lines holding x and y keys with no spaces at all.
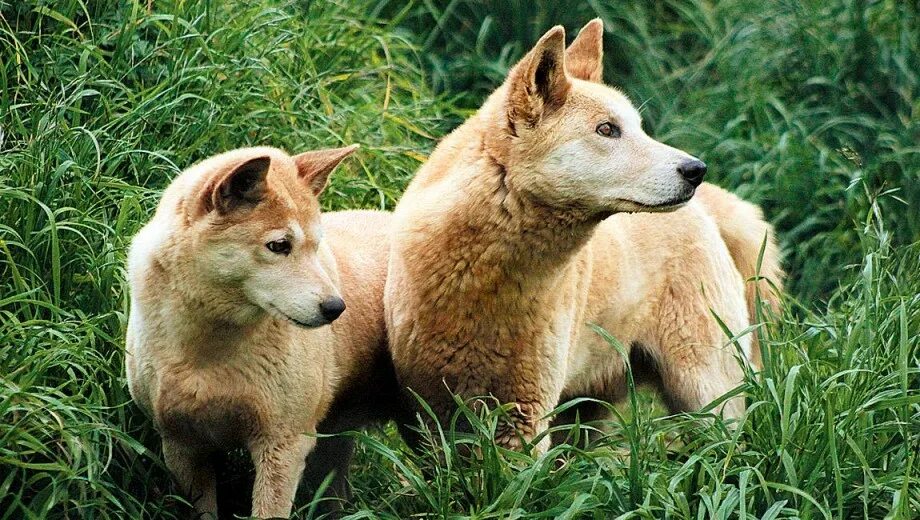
{"x":597,"y":369}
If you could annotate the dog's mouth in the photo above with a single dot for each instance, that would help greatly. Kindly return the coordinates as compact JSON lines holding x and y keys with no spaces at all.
{"x":631,"y":206}
{"x":278,"y":313}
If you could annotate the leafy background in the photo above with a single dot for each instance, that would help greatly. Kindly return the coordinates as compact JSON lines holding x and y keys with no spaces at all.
{"x":808,"y":108}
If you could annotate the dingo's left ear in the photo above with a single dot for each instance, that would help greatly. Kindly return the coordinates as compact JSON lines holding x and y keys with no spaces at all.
{"x":315,"y":166}
{"x":584,"y":59}
{"x":244,"y":185}
{"x":538,"y":84}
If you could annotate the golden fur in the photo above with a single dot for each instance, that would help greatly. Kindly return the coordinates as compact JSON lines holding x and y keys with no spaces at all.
{"x":517,"y":234}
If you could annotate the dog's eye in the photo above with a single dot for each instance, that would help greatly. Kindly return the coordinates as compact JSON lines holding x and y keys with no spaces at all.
{"x":608,"y":130}
{"x":281,"y":246}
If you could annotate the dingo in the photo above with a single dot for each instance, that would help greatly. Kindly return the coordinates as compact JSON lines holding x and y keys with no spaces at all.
{"x":231,"y":284}
{"x":515,"y":235}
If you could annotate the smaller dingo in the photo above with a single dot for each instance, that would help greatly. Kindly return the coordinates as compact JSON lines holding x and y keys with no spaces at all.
{"x":231,"y":286}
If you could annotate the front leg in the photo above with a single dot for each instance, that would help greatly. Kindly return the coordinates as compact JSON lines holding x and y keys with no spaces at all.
{"x":279,"y":463}
{"x":193,"y":471}
{"x":533,"y":390}
{"x":522,"y":423}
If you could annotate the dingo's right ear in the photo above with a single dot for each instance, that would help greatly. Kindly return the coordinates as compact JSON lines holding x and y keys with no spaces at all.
{"x":244,"y":185}
{"x":315,"y":166}
{"x":584,"y":59}
{"x":538,"y":84}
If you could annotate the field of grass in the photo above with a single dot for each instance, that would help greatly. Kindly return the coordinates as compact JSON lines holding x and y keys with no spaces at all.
{"x":809,"y":108}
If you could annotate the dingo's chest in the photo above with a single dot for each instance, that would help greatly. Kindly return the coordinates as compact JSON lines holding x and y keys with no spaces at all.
{"x":209,"y":407}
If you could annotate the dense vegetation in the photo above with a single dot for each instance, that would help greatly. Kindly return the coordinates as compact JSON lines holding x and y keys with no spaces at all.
{"x":809,"y":108}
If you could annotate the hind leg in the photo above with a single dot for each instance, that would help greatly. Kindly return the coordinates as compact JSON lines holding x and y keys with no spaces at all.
{"x":688,"y":388}
{"x":696,"y":361}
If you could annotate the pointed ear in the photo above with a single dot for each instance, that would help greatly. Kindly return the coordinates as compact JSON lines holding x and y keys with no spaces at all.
{"x":244,"y":185}
{"x":584,"y":59}
{"x":315,"y":166}
{"x":537,"y":85}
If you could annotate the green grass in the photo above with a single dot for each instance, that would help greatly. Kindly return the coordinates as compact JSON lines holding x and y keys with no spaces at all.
{"x":808,"y":108}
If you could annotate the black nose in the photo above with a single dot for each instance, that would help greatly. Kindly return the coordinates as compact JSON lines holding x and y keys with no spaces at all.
{"x":693,"y":170}
{"x":331,"y":308}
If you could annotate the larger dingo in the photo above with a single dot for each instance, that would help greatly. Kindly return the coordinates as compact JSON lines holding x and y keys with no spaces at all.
{"x":519,"y":232}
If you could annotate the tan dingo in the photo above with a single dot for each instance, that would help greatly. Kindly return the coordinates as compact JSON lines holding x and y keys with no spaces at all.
{"x":231,"y":284}
{"x":516,"y":235}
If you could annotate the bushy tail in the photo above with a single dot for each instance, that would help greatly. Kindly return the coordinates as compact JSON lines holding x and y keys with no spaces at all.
{"x":743,"y":228}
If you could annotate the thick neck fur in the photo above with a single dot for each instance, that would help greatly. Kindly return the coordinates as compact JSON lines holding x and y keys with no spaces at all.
{"x":506,"y":236}
{"x":535,"y":238}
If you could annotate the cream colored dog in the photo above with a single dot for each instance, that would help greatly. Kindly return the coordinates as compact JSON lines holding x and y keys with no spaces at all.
{"x":232,"y":283}
{"x":515,"y":236}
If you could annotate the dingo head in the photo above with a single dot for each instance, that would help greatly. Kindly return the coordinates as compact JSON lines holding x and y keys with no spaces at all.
{"x":574,"y":142}
{"x":253,"y":239}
